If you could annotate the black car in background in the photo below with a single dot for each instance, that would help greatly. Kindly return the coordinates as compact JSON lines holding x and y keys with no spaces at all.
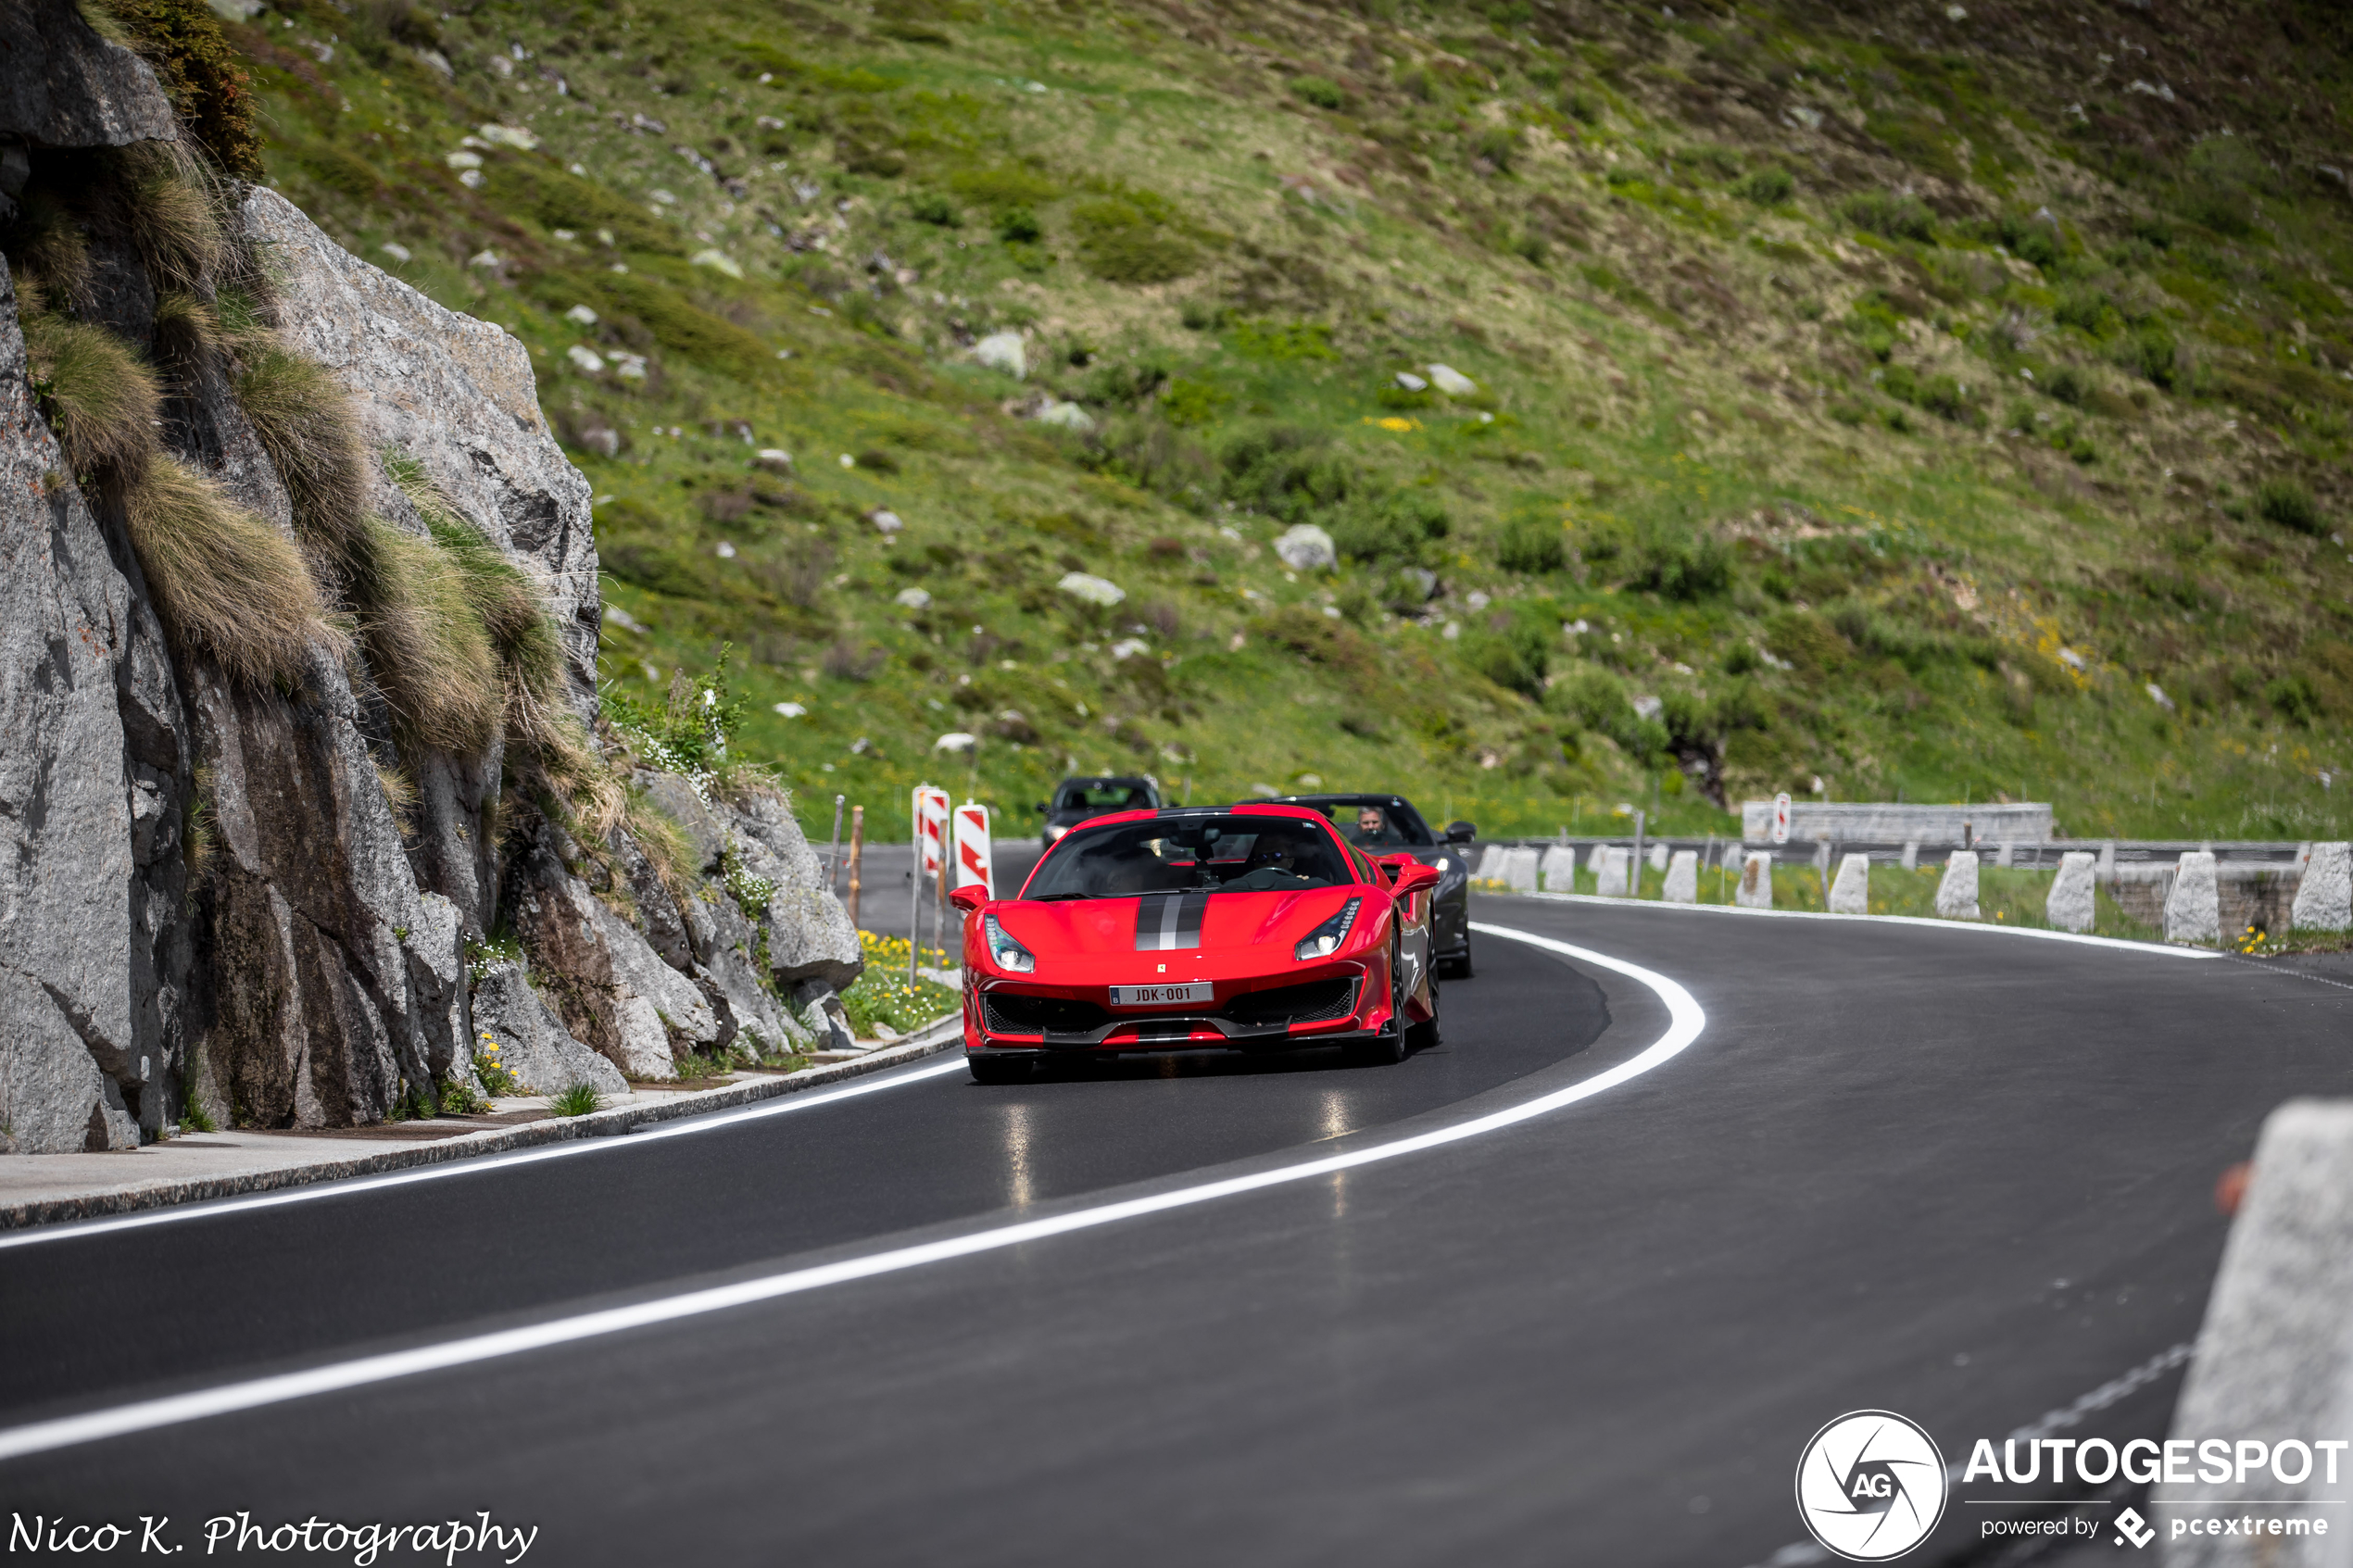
{"x":1388,"y":824}
{"x":1077,"y":800}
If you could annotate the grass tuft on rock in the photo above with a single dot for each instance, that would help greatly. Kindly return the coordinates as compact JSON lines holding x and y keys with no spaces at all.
{"x":97,"y":394}
{"x":228,"y":585}
{"x":174,"y":218}
{"x":303,"y":417}
{"x":426,"y":645}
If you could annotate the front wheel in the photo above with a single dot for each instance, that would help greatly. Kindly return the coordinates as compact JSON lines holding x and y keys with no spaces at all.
{"x":998,"y":1070}
{"x":1422,"y":1036}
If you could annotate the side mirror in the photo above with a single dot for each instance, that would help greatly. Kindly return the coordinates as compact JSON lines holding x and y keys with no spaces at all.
{"x":1460,"y":832}
{"x":969,"y":898}
{"x":1039,"y":807}
{"x":1414,"y":877}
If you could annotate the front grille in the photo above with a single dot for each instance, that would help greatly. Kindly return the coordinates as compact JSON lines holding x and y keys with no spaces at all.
{"x":1014,"y":1012}
{"x":1067,"y":1020}
{"x":1311,"y":1003}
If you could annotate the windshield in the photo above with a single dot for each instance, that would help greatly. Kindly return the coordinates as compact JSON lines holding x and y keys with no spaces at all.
{"x":1105,"y":794}
{"x":1386,"y":825}
{"x":1192,"y":854}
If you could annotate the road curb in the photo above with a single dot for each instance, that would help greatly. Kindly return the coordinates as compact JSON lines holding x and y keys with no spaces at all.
{"x":1990,"y":927}
{"x":941,"y":1035}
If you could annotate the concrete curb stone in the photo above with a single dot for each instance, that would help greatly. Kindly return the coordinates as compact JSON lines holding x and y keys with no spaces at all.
{"x":941,"y":1035}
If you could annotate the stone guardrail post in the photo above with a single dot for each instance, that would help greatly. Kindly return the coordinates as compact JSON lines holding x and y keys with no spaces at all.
{"x":1851,"y":894}
{"x":1518,"y":870}
{"x":2194,"y":909}
{"x":1956,"y":893}
{"x":1682,"y":878}
{"x":2069,"y":907}
{"x":1755,"y":891}
{"x":1557,"y":873}
{"x":1618,"y":865}
{"x":2324,"y":897}
{"x":2273,"y":1361}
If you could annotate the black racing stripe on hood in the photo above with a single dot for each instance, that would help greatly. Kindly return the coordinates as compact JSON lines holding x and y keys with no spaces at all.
{"x":1165,"y":921}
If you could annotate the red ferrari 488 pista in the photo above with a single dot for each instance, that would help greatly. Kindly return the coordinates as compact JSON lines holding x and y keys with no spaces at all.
{"x":1237,"y":927}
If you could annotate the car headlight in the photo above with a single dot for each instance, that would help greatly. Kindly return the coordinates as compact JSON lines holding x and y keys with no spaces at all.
{"x":1006,"y":953}
{"x":1054,"y":834}
{"x":1324,"y":940}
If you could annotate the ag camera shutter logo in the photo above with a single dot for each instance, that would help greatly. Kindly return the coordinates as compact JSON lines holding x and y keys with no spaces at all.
{"x":1870,"y":1486}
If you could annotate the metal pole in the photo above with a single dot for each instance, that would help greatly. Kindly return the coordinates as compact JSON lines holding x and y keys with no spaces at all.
{"x":939,"y":893}
{"x":1634,"y":871}
{"x":915,"y":898}
{"x":833,"y":856}
{"x":857,"y":853}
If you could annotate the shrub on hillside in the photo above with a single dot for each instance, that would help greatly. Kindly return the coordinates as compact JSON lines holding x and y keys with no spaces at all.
{"x":1531,"y":545}
{"x":1767,"y":186}
{"x":2285,"y":502}
{"x":1320,"y":91}
{"x":1897,"y":218}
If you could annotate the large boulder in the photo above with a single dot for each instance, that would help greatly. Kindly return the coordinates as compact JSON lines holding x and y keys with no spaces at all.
{"x":533,"y":1042}
{"x":456,"y":395}
{"x":96,"y":779}
{"x":61,"y":85}
{"x":324,"y":966}
{"x":810,"y":937}
{"x":611,"y":989}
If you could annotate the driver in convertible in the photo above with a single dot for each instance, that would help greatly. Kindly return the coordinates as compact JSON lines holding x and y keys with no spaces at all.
{"x":1372,"y":828}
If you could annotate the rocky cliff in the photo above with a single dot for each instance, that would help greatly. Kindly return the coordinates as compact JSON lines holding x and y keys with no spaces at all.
{"x":304,"y":791}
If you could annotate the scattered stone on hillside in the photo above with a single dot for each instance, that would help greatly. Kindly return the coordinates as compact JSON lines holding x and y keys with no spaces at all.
{"x":1306,"y":548}
{"x":1065,"y":416}
{"x":1957,"y":891}
{"x":2194,"y":904}
{"x":2324,"y":896}
{"x":589,"y":362}
{"x":1682,"y":878}
{"x":775,"y":459}
{"x":718,"y":261}
{"x":1851,"y":891}
{"x":581,"y":315}
{"x":2070,"y":904}
{"x":885,"y":521}
{"x":956,"y":741}
{"x":1094,"y":590}
{"x":1615,"y":878}
{"x":513,"y":136}
{"x":1452,"y":382}
{"x":2157,"y":696}
{"x":533,"y":1042}
{"x":1558,"y":872}
{"x":1003,"y":351}
{"x":1755,"y":888}
{"x":1410,"y":381}
{"x":913,"y":598}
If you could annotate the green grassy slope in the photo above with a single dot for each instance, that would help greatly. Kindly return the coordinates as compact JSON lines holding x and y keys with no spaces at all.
{"x":1887,"y":396}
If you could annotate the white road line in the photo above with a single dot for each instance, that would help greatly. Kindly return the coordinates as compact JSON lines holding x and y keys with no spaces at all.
{"x":1685,"y":1021}
{"x":481,"y":1164}
{"x":1990,"y":926}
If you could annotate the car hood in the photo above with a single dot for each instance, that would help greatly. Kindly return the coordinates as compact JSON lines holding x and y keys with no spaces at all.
{"x":1170,"y":922}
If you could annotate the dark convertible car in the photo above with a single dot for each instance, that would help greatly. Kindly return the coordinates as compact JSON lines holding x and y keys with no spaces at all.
{"x":1388,"y":824}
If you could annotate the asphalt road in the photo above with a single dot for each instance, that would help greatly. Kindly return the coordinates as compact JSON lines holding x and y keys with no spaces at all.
{"x":1963,"y":1176}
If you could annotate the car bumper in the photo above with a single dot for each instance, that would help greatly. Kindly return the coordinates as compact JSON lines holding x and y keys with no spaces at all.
{"x":1232,"y":1025}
